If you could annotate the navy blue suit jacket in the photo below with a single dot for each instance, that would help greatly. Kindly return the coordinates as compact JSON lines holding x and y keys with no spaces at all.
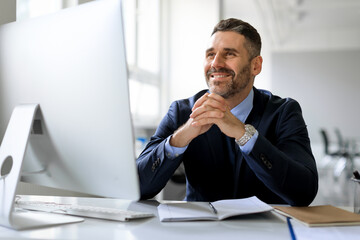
{"x":279,"y":169}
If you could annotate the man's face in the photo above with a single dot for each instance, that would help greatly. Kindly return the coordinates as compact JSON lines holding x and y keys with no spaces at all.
{"x":227,"y":64}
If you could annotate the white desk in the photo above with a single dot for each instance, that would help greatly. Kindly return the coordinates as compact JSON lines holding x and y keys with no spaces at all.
{"x":256,"y":226}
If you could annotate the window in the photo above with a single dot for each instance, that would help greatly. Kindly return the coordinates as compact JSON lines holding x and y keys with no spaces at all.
{"x":142,"y":30}
{"x":33,"y":8}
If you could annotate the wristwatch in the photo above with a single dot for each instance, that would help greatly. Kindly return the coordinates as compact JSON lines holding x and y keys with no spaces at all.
{"x":249,"y":132}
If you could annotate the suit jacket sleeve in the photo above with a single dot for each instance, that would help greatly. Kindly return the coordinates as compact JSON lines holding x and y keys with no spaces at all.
{"x":281,"y":157}
{"x":154,"y":167}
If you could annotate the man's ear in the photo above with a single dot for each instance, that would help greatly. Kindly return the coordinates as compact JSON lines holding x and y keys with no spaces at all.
{"x":256,"y":65}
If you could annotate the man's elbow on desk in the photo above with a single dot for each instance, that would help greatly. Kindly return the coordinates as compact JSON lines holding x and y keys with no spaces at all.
{"x":304,"y":195}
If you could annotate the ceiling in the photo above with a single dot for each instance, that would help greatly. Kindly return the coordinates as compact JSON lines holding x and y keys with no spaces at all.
{"x":285,"y":18}
{"x":312,"y":15}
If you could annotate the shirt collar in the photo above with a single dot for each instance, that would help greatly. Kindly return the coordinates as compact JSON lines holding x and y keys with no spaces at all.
{"x":243,"y":109}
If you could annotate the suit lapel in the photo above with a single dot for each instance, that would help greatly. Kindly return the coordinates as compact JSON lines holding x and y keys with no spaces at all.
{"x":257,"y":110}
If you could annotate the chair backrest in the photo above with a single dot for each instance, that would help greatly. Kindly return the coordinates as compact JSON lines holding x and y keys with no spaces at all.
{"x":325,"y":139}
{"x":341,"y":142}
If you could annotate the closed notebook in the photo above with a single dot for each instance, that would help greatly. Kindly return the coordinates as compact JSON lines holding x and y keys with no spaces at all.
{"x":324,"y":215}
{"x":219,"y":210}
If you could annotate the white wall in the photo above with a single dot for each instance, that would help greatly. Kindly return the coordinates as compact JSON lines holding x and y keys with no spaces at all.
{"x":191,"y":23}
{"x":323,"y":39}
{"x":249,"y":11}
{"x":326,"y":83}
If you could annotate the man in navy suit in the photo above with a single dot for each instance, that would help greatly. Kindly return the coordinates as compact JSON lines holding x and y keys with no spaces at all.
{"x":235,"y":141}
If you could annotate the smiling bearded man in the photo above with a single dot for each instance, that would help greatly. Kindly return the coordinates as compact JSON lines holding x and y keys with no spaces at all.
{"x":234,"y":140}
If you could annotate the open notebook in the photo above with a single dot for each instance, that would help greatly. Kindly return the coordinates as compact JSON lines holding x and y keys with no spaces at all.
{"x":219,"y":210}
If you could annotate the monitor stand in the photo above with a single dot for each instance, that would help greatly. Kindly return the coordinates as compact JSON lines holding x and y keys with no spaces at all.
{"x":12,"y":153}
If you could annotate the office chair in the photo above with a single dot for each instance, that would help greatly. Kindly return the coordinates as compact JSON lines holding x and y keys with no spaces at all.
{"x":326,"y":143}
{"x":337,"y":170}
{"x":343,"y":145}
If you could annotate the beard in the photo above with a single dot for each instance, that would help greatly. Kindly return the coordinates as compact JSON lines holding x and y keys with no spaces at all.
{"x":236,"y":85}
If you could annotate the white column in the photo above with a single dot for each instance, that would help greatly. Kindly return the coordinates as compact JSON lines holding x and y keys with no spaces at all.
{"x":7,"y":11}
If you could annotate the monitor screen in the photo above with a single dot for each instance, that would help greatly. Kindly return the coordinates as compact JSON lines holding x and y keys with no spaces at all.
{"x":72,"y":63}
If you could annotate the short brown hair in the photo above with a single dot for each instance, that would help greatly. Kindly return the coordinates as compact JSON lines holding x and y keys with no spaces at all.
{"x":253,"y":39}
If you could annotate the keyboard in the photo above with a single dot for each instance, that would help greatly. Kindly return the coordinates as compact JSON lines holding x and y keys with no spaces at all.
{"x":82,"y":210}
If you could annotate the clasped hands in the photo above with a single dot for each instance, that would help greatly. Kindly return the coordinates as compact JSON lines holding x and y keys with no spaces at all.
{"x":209,"y":109}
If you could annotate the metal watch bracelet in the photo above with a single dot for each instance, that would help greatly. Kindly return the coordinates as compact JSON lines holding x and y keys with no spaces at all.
{"x":249,"y":132}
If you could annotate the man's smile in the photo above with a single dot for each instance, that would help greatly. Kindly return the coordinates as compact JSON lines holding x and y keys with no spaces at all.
{"x":219,"y":76}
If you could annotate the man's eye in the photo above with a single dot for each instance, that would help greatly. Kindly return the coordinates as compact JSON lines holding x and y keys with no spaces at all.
{"x":210,"y":55}
{"x":230,"y":54}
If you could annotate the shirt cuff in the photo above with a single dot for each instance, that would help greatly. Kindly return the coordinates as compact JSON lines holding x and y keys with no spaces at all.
{"x":173,"y":152}
{"x":247,"y":148}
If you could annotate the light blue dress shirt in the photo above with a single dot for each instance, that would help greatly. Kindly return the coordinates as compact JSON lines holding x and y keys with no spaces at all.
{"x":241,"y":112}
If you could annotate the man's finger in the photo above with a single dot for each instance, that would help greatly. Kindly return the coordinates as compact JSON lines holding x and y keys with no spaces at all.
{"x":200,"y":101}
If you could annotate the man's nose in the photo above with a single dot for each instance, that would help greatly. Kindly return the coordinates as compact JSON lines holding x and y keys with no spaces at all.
{"x":218,"y":62}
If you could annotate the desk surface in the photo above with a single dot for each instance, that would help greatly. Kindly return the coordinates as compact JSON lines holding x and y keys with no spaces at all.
{"x":255,"y":226}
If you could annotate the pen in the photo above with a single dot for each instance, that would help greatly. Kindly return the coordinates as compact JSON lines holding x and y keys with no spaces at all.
{"x":292,"y":233}
{"x":213,"y":208}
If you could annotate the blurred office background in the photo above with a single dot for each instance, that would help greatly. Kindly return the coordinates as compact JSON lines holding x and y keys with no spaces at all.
{"x":311,"y":51}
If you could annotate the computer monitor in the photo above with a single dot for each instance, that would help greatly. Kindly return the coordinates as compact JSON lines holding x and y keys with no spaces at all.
{"x":72,"y":64}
